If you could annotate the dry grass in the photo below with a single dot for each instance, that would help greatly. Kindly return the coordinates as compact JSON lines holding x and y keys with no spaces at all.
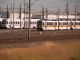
{"x":53,"y":45}
{"x":44,"y":51}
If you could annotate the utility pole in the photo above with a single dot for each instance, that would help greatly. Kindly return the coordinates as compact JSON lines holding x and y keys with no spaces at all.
{"x":13,"y":15}
{"x":7,"y":12}
{"x":75,"y":15}
{"x":29,"y":22}
{"x":58,"y":18}
{"x":20,"y":15}
{"x":24,"y":14}
{"x":67,"y":11}
{"x":11,"y":8}
{"x":42,"y":13}
{"x":46,"y":14}
{"x":46,"y":18}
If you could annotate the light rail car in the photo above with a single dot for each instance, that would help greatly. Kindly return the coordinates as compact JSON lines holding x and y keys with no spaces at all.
{"x":58,"y":25}
{"x":18,"y":23}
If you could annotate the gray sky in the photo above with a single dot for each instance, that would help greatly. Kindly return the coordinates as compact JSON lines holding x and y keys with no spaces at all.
{"x":50,"y":4}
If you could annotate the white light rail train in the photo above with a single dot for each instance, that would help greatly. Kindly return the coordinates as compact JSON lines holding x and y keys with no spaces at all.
{"x":40,"y":24}
{"x":17,"y":23}
{"x":60,"y":24}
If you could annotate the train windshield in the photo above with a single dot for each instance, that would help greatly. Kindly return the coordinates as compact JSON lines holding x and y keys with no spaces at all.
{"x":4,"y":21}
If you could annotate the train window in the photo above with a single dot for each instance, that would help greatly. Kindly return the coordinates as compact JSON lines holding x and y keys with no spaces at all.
{"x":55,"y":23}
{"x":77,"y":23}
{"x":64,"y":23}
{"x":51,"y":23}
{"x":6,"y":22}
{"x":17,"y":22}
{"x":47,"y":24}
{"x":43,"y":23}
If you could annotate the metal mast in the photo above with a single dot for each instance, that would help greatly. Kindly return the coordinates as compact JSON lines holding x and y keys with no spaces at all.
{"x":42,"y":12}
{"x":67,"y":11}
{"x":7,"y":12}
{"x":46,"y":18}
{"x":29,"y":22}
{"x":13,"y":15}
{"x":24,"y":14}
{"x":75,"y":15}
{"x":20,"y":15}
{"x":58,"y":18}
{"x":46,"y":14}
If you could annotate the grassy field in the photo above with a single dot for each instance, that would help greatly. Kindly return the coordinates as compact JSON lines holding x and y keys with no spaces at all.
{"x":50,"y":45}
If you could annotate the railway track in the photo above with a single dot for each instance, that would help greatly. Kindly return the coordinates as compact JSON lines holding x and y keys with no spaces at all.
{"x":20,"y":36}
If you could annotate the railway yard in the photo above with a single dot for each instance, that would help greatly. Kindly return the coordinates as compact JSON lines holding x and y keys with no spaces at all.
{"x":16,"y":35}
{"x":39,"y":30}
{"x":43,"y":45}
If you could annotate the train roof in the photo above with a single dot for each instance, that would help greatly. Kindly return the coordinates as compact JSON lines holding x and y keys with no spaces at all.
{"x":61,"y":19}
{"x":32,"y":19}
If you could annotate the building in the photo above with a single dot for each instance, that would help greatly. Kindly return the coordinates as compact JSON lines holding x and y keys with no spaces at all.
{"x":16,"y":15}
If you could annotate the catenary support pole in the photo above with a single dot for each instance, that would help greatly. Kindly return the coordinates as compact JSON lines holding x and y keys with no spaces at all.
{"x":29,"y":22}
{"x":58,"y":18}
{"x":13,"y":16}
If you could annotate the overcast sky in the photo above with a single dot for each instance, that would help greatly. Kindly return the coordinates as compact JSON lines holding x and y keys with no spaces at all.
{"x":50,"y":4}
